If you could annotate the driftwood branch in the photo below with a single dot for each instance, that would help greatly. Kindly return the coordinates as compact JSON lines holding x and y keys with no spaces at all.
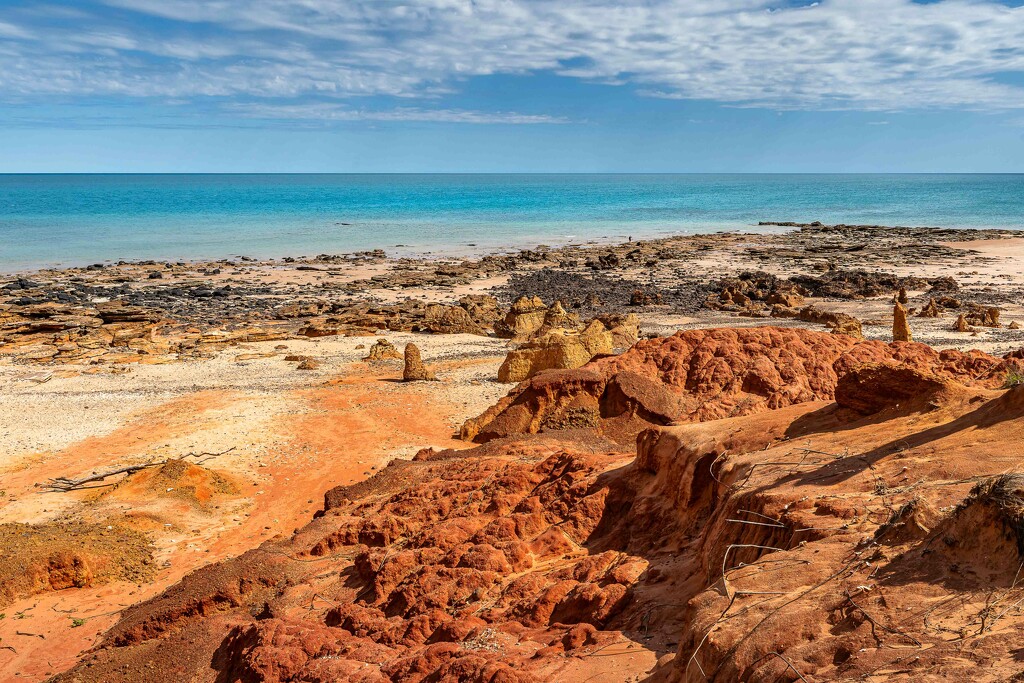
{"x":65,"y":484}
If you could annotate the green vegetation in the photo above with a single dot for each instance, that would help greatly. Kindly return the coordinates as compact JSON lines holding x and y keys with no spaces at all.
{"x":1014,"y":377}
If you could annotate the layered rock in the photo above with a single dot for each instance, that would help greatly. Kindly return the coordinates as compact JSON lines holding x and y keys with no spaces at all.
{"x":475,"y":314}
{"x":62,"y":333}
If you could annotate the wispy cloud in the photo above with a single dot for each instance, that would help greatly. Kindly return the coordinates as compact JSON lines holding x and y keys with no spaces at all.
{"x":871,"y":55}
{"x":333,"y":112}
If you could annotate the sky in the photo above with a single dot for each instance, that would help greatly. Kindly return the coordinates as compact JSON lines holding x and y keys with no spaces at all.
{"x":511,"y":86}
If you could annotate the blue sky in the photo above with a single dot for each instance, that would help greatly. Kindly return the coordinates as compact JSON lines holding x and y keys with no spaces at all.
{"x":511,"y":85}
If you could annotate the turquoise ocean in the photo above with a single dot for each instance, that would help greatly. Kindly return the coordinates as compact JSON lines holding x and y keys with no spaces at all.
{"x":80,"y":219}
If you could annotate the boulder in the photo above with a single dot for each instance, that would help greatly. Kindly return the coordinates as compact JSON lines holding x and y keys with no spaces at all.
{"x":383,"y":350}
{"x":625,"y":329}
{"x":788,"y":299}
{"x":482,"y":308}
{"x":523,"y":319}
{"x":558,"y":349}
{"x":556,"y":317}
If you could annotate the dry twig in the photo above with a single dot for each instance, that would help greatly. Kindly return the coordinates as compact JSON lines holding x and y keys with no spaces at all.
{"x":65,"y":484}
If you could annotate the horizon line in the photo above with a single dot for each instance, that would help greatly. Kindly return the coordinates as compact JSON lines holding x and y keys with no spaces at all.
{"x":496,"y":173}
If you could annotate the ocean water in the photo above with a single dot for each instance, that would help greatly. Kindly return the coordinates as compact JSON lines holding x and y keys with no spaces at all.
{"x":79,"y":219}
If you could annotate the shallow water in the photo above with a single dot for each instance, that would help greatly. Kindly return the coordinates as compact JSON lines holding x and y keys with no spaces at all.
{"x":77,"y":219}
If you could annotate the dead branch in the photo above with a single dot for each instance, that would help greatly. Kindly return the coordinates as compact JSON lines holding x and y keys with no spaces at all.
{"x":65,"y":484}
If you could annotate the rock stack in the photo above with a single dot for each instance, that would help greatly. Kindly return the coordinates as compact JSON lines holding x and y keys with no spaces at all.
{"x":900,"y":326}
{"x":415,"y":370}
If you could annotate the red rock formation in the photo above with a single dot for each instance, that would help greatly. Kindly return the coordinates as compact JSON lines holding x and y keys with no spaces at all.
{"x":814,"y":540}
{"x":700,"y":375}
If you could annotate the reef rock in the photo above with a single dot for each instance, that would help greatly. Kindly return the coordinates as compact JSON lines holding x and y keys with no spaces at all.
{"x":860,"y":284}
{"x":930,"y":311}
{"x":983,"y":316}
{"x":440,"y":319}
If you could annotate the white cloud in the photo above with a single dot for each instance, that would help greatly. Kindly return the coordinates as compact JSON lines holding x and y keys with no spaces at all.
{"x":883,"y":55}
